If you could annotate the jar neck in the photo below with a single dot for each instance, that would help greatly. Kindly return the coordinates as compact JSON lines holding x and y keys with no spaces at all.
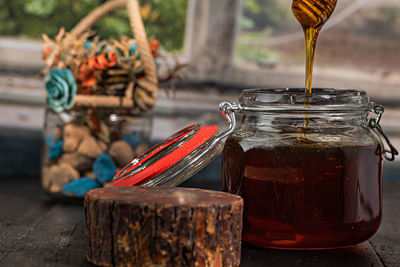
{"x":314,"y":120}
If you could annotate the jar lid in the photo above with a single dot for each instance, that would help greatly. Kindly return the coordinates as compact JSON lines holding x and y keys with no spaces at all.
{"x":178,"y":157}
{"x":295,"y":100}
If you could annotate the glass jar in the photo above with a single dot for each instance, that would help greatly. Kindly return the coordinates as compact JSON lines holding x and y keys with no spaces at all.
{"x":310,"y":176}
{"x":85,"y":147}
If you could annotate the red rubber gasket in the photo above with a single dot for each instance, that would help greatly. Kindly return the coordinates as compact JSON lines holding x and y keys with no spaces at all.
{"x":153,"y":151}
{"x":162,"y":164}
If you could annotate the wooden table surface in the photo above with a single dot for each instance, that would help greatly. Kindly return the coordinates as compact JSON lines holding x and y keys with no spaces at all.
{"x":35,"y":231}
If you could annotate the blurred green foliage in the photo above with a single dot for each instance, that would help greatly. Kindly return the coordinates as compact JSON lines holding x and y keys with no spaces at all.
{"x":261,"y":56}
{"x":165,"y":20}
{"x":262,"y":14}
{"x":260,"y":19}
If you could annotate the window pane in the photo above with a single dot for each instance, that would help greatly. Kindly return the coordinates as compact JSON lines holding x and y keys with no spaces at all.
{"x":362,"y":34}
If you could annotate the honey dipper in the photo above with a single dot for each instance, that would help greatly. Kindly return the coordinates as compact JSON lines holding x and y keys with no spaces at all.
{"x":313,"y":13}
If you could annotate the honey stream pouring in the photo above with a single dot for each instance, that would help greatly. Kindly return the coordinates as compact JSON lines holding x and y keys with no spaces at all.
{"x":312,"y":15}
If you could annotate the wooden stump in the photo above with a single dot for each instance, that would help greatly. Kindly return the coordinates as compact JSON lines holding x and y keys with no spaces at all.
{"x":160,"y":226}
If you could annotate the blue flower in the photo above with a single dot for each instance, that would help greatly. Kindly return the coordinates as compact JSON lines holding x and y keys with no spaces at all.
{"x":87,"y":45}
{"x":133,"y":49}
{"x":61,"y":89}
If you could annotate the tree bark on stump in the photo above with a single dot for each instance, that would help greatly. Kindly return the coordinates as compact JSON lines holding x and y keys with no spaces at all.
{"x":160,"y":226}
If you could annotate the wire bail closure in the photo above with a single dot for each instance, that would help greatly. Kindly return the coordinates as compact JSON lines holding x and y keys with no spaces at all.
{"x":227,"y":110}
{"x":377,"y":128}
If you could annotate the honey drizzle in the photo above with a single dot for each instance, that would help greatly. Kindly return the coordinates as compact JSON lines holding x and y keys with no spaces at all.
{"x":311,"y":36}
{"x":312,"y":15}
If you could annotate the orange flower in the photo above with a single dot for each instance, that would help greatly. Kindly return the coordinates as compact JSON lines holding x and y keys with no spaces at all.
{"x":154,"y":47}
{"x":88,"y":68}
{"x":46,"y":52}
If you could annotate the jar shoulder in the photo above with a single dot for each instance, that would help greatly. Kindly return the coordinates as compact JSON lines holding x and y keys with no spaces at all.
{"x":249,"y":137}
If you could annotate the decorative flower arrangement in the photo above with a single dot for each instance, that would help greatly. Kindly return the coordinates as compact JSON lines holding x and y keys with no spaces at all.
{"x":75,"y":65}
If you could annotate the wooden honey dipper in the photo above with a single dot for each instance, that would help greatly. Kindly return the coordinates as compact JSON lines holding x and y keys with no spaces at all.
{"x":312,"y":15}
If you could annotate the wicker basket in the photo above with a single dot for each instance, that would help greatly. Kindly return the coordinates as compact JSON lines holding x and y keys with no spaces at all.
{"x":123,"y":90}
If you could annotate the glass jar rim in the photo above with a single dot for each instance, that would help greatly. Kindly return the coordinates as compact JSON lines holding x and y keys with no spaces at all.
{"x":295,"y":99}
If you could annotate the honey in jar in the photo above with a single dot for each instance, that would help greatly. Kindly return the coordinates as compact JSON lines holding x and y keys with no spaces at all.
{"x":318,"y":193}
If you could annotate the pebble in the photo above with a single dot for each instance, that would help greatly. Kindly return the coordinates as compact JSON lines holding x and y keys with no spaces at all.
{"x":73,"y":135}
{"x":55,"y":176}
{"x":57,"y":132}
{"x":132,"y":140}
{"x":80,"y":162}
{"x":104,"y":168}
{"x":54,"y":147}
{"x":78,"y":188}
{"x":89,"y":174}
{"x":141,"y":149}
{"x":108,"y":184}
{"x":55,"y":188}
{"x":90,"y":147}
{"x":102,"y":145}
{"x":121,"y":152}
